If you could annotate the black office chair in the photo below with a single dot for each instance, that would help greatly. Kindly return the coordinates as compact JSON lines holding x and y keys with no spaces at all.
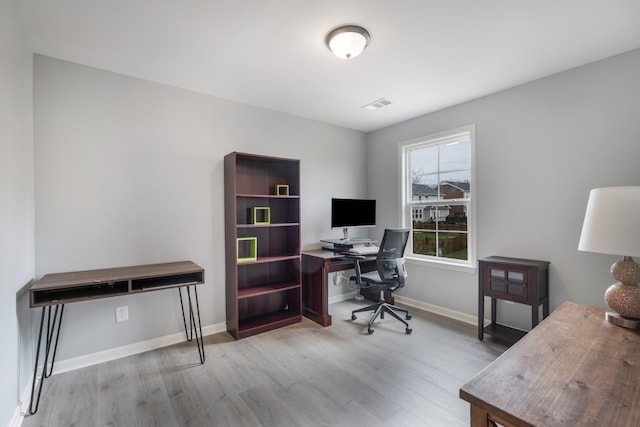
{"x":389,"y":276}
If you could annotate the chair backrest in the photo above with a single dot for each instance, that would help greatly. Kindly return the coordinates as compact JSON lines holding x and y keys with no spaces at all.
{"x":390,"y":259}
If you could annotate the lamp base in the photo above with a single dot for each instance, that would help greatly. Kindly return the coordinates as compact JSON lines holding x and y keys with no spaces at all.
{"x":624,"y":297}
{"x":622,"y":321}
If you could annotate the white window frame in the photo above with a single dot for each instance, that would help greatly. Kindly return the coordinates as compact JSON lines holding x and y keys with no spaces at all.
{"x":406,"y":205}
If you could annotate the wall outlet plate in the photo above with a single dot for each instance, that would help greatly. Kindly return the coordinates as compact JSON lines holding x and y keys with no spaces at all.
{"x":122,"y":313}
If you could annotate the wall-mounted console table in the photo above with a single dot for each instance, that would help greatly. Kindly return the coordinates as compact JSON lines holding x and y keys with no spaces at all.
{"x":56,"y":290}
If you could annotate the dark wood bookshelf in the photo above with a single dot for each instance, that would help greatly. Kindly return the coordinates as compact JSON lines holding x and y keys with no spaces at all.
{"x":267,"y":289}
{"x":262,"y":293}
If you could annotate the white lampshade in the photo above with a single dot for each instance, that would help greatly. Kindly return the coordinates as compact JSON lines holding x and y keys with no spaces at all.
{"x":612,"y":222}
{"x":348,"y":41}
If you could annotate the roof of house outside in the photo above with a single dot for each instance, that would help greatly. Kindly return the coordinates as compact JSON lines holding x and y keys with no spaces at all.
{"x":460,"y":185}
{"x":424,"y":190}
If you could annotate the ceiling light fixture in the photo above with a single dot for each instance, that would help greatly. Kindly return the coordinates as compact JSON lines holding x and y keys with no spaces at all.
{"x":347,"y":41}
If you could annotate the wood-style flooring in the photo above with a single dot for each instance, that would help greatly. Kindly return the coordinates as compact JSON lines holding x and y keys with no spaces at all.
{"x":301,"y":375}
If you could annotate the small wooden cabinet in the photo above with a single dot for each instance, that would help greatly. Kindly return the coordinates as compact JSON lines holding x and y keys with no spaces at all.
{"x":523,"y":281}
{"x":262,"y":243}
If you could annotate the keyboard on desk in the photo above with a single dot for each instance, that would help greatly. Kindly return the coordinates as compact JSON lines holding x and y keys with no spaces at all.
{"x":364,"y":250}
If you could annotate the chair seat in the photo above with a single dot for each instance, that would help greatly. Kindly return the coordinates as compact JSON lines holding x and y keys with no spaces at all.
{"x":373,"y":278}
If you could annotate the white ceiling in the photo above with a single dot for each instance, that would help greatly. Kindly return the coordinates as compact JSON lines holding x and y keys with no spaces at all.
{"x":424,"y":55}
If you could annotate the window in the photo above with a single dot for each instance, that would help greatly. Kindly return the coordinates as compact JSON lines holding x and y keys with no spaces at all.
{"x":437,"y":188}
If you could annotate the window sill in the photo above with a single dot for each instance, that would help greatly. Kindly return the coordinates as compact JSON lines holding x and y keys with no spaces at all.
{"x":441,"y":264}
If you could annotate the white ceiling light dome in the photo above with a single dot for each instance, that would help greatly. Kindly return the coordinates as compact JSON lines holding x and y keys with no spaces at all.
{"x":348,"y":41}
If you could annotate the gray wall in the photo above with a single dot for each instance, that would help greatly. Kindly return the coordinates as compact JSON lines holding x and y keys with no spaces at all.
{"x":131,"y":172}
{"x":540,"y":148}
{"x":16,"y":202}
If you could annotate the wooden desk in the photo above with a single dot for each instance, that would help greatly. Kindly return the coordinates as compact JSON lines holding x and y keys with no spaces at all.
{"x":574,"y":369}
{"x":55,"y":290}
{"x":316,"y":266}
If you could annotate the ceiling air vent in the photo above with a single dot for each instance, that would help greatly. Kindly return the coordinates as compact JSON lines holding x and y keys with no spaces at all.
{"x":378,"y":103}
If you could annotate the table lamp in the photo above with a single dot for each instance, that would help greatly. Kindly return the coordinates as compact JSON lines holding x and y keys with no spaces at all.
{"x":612,"y":226}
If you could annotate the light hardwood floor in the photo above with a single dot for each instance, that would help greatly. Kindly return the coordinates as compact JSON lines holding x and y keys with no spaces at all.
{"x":301,"y":375}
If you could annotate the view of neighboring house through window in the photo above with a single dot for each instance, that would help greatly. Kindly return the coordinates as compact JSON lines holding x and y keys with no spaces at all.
{"x":437,"y":196}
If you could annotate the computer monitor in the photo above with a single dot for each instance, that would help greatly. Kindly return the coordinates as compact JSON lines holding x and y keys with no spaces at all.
{"x":348,"y":213}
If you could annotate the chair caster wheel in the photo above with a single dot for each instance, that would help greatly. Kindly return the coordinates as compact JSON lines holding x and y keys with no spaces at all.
{"x":408,"y":331}
{"x":408,"y":316}
{"x":353,"y":317}
{"x":370,"y":331}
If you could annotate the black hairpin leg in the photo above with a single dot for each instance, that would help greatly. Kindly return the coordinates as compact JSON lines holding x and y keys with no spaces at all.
{"x":53,"y":328}
{"x":195,"y":325}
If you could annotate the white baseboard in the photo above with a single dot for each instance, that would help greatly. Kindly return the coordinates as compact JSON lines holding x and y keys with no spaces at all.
{"x":420,"y":305}
{"x":19,"y":413}
{"x":452,"y":314}
{"x":105,"y":356}
{"x":342,"y":297}
{"x":129,"y":350}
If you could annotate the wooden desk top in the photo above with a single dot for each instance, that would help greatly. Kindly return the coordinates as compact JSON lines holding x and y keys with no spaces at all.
{"x":61,"y":288}
{"x":322,"y":253}
{"x":60,"y":280}
{"x":332,"y":255}
{"x":574,"y":369}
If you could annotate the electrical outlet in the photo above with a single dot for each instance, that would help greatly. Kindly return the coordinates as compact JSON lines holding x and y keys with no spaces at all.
{"x":339,"y":278}
{"x":122,"y":313}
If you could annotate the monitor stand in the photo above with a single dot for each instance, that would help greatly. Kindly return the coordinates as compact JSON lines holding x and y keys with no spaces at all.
{"x":346,"y":243}
{"x":355,"y":240}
